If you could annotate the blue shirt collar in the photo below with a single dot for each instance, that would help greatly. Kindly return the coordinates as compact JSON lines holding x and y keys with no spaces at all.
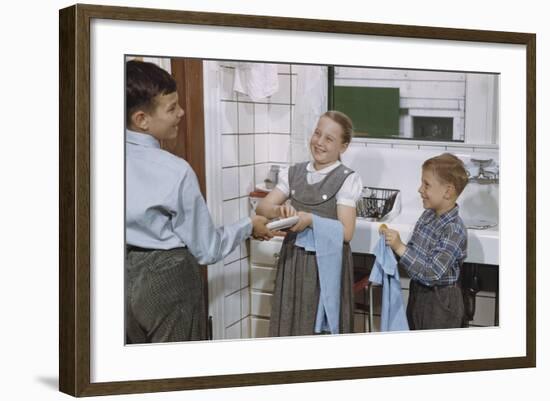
{"x":137,"y":138}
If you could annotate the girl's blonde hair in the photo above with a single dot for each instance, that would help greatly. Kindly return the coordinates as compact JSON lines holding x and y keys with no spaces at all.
{"x":344,"y":121}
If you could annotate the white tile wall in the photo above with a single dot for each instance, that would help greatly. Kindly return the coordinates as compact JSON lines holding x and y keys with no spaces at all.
{"x":293,"y":87}
{"x":233,"y":332}
{"x":279,"y":146}
{"x":230,"y":211}
{"x":261,"y":118}
{"x":230,"y":122}
{"x":279,"y":118}
{"x":232,"y":277}
{"x":246,"y":118}
{"x":246,"y":149}
{"x":261,"y":148}
{"x":247,"y":154}
{"x":244,"y":207}
{"x":232,"y":308}
{"x":246,"y":180}
{"x":230,"y":183}
{"x":230,"y":144}
{"x":245,"y":272}
{"x":245,"y":302}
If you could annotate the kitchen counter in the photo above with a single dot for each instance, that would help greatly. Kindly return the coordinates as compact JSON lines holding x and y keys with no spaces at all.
{"x":483,"y":245}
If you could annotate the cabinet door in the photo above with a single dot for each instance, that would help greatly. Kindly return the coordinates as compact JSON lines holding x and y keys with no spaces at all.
{"x":262,"y":278}
{"x":265,"y":253}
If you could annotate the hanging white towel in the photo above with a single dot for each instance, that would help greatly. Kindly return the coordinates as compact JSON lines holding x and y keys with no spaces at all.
{"x":257,"y":80}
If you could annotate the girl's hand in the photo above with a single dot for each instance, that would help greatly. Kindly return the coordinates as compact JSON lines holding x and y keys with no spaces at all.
{"x":393,"y":239}
{"x":286,"y":210}
{"x":306,"y":219}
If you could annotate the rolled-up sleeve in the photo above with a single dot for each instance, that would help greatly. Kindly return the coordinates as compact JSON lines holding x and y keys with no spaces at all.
{"x":193,"y":224}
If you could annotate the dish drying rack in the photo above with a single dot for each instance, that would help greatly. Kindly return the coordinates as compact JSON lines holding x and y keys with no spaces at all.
{"x":378,"y":204}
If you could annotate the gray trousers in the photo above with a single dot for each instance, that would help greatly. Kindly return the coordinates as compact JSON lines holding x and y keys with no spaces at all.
{"x":164,"y":296}
{"x":439,"y":307}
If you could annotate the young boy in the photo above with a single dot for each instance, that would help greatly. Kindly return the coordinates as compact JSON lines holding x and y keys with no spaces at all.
{"x":169,"y":231}
{"x":434,"y":255}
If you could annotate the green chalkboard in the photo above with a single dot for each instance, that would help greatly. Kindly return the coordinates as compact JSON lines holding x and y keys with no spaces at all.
{"x":374,"y":111}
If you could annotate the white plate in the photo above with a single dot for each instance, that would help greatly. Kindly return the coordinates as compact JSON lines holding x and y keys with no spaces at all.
{"x":282,"y":223}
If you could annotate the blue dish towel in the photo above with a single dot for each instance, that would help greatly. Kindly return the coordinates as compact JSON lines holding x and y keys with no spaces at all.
{"x":385,"y":272}
{"x":326,"y":239}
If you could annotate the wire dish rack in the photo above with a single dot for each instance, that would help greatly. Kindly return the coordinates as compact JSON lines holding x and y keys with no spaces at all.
{"x":376,"y":204}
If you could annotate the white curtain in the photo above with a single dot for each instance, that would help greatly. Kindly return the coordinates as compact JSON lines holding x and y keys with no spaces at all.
{"x":310,"y":102}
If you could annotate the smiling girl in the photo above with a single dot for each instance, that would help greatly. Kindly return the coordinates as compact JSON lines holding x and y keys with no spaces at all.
{"x":326,"y":188}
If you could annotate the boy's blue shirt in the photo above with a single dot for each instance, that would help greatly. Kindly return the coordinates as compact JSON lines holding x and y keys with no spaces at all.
{"x":326,"y":239}
{"x":437,"y":248}
{"x":165,"y":208}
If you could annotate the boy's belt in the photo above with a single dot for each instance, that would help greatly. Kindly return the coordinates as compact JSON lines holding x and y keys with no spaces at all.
{"x":132,"y":248}
{"x":433,"y":287}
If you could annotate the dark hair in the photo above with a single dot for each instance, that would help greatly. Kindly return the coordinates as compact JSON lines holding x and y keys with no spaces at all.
{"x":344,"y":121}
{"x":145,"y":81}
{"x":449,"y":169}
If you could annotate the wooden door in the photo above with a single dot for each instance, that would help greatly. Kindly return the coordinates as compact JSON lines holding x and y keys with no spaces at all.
{"x":189,"y":144}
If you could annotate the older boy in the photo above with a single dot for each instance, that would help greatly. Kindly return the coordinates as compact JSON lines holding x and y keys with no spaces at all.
{"x":435,"y":253}
{"x":169,"y":231}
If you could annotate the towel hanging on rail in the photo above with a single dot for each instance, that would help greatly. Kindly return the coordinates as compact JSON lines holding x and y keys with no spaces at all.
{"x":257,"y":80}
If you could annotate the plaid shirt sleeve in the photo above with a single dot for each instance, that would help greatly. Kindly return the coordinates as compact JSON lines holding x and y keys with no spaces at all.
{"x":436,"y":265}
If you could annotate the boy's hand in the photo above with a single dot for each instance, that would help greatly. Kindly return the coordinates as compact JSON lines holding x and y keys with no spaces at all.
{"x":393,"y":239}
{"x":259,"y":230}
{"x":306,"y":219}
{"x":286,"y":211}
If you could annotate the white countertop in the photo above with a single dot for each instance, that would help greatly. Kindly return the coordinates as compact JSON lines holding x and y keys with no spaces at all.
{"x":483,"y":245}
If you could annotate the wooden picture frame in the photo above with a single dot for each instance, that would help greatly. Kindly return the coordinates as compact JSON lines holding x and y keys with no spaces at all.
{"x":75,"y":207}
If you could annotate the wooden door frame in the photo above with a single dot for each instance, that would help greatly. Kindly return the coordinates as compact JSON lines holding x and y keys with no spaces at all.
{"x":189,"y":144}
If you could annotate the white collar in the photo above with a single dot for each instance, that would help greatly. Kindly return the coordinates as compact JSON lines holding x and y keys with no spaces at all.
{"x":143,"y":139}
{"x":311,"y":169}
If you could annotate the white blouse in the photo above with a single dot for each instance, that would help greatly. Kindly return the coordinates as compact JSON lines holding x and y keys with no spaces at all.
{"x":349,"y":193}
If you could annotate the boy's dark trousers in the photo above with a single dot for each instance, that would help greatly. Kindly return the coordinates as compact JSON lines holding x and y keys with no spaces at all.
{"x":164,"y":296}
{"x":437,"y":307}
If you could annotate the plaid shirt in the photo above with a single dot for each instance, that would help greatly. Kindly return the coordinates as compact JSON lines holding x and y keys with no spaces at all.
{"x":436,"y":249}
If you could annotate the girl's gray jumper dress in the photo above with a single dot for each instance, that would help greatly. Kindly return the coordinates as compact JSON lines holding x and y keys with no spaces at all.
{"x":296,"y":295}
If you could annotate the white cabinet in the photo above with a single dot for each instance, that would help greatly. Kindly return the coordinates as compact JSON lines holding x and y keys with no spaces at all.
{"x":264,"y":256}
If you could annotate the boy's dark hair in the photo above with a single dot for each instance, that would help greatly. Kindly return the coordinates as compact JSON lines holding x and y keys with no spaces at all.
{"x":449,"y":169}
{"x":144,"y":81}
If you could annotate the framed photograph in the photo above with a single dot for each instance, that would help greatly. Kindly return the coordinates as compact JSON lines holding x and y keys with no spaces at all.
{"x":430,"y":90}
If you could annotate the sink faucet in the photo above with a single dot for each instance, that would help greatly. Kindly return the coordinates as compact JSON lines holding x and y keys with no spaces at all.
{"x":484,"y":176}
